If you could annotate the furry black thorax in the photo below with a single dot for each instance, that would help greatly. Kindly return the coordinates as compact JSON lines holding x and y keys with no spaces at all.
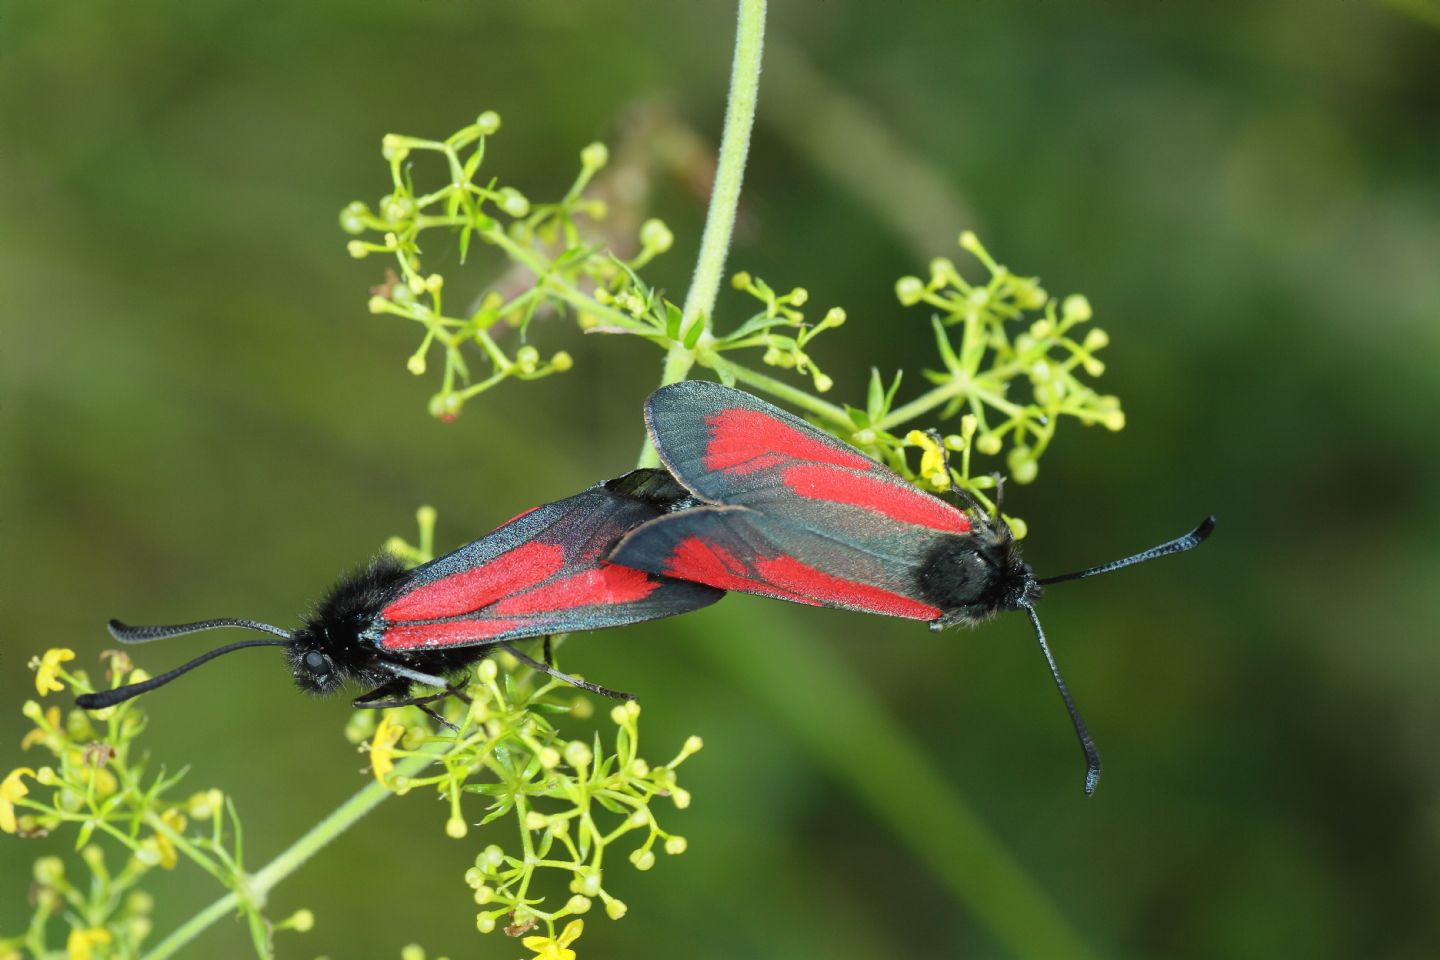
{"x":329,"y":651}
{"x":973,"y":576}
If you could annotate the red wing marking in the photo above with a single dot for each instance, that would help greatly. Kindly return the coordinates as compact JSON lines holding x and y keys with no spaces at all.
{"x":745,"y":441}
{"x":450,"y":633}
{"x":694,"y":559}
{"x":470,"y":590}
{"x":792,"y":575}
{"x":787,"y":579}
{"x":816,"y":482}
{"x":599,"y":586}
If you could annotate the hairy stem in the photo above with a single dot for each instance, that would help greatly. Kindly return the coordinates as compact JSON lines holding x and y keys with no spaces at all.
{"x":724,"y":196}
{"x":267,"y":877}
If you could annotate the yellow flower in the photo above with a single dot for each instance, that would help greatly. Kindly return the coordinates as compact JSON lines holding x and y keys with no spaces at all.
{"x":176,"y":822}
{"x":45,"y":680}
{"x":12,"y":788}
{"x":80,"y":945}
{"x":382,"y":747}
{"x":556,"y":948}
{"x":932,"y":458}
{"x":40,"y":734}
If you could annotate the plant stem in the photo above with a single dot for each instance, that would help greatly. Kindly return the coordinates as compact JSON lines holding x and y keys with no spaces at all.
{"x":724,"y":196}
{"x":792,"y":395}
{"x":267,"y":877}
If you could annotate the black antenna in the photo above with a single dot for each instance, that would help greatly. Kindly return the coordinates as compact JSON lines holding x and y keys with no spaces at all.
{"x":1179,"y":545}
{"x":128,"y":634}
{"x":108,"y":698}
{"x":1092,"y":755}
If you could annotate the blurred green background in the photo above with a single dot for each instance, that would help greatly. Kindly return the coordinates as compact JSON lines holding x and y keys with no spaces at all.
{"x":200,"y":419}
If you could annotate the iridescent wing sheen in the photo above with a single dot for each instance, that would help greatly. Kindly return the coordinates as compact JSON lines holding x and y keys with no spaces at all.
{"x":544,"y":572}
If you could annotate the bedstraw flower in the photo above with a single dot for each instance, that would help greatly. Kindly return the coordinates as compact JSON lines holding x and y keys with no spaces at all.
{"x":382,"y":748}
{"x":12,"y":788}
{"x":45,"y":673}
{"x":556,"y":948}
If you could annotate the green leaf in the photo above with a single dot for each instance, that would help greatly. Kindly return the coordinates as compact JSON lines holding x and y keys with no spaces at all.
{"x":692,"y":336}
{"x":875,"y":397}
{"x":942,"y":343}
{"x":673,"y":317}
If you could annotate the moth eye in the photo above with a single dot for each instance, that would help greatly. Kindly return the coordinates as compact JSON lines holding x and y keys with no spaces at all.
{"x":316,"y":662}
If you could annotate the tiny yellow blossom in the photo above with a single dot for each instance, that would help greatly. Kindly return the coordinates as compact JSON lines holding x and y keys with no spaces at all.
{"x":556,"y":948}
{"x":12,"y":788}
{"x":81,"y":943}
{"x":176,"y":822}
{"x":45,"y":681}
{"x":932,"y":457}
{"x":40,"y":734}
{"x":382,"y":748}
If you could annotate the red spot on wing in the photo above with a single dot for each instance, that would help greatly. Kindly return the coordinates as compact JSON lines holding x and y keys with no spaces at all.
{"x":454,"y":633}
{"x":903,"y":503}
{"x":792,"y":575}
{"x":605,"y":585}
{"x":745,"y":441}
{"x":787,"y":579}
{"x":470,"y":590}
{"x":695,"y":560}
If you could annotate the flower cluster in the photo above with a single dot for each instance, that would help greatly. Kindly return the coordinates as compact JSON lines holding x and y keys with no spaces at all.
{"x":570,"y":800}
{"x":1009,"y":330}
{"x":98,"y":783}
{"x":558,"y":265}
{"x":990,"y":337}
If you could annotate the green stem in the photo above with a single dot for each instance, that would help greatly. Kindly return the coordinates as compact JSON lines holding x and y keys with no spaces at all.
{"x":924,"y":403}
{"x":784,"y":391}
{"x":267,"y":877}
{"x":724,"y":197}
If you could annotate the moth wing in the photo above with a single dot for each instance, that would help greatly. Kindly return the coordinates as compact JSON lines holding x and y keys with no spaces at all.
{"x":543,"y":572}
{"x":731,"y":448}
{"x":874,"y":569}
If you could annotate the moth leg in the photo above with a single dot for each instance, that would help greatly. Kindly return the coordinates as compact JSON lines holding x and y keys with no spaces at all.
{"x":966,"y":498}
{"x":549,"y":652}
{"x":392,"y":694}
{"x":548,"y":670}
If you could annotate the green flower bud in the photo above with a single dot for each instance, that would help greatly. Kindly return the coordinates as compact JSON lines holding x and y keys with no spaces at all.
{"x":595,"y":156}
{"x":514,"y":202}
{"x":397,"y":207}
{"x":1076,"y":307}
{"x":578,"y":904}
{"x":909,"y":290}
{"x":577,"y":754}
{"x":655,"y":235}
{"x":675,"y":845}
{"x":455,"y":828}
{"x":1023,"y":467}
{"x":488,"y":122}
{"x":615,"y":909}
{"x":643,"y":859}
{"x":484,"y":922}
{"x":49,"y":871}
{"x":393,"y":148}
